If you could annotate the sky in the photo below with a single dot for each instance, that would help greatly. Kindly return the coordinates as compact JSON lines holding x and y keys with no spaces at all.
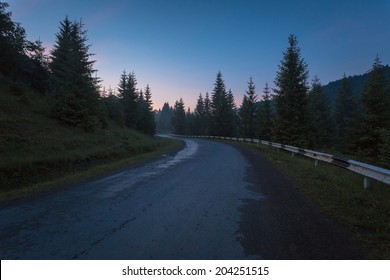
{"x":178,"y":46}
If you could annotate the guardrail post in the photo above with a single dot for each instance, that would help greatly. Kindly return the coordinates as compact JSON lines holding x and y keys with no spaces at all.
{"x":366,"y":183}
{"x":316,"y":162}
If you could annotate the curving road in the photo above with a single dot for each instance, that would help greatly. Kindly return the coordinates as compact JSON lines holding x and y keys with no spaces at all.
{"x":209,"y":201}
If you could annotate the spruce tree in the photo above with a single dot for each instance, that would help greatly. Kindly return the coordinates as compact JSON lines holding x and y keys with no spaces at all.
{"x":179,"y":118}
{"x":232,"y":120}
{"x":319,"y":116}
{"x":218,"y":98}
{"x":114,"y":109}
{"x":149,"y":125}
{"x":36,"y":67}
{"x":122,"y":86}
{"x":60,"y":65}
{"x":190,"y":122}
{"x":223,"y":115}
{"x":199,"y":116}
{"x":12,"y":44}
{"x":248,"y":111}
{"x":207,"y":114}
{"x":291,"y":124}
{"x":265,"y":116}
{"x":21,"y":60}
{"x":71,"y":81}
{"x":164,"y":120}
{"x":142,"y":112}
{"x":345,"y":118}
{"x":129,"y":95}
{"x":376,"y":120}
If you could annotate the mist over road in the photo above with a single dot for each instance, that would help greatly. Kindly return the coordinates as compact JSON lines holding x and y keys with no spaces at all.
{"x":209,"y":201}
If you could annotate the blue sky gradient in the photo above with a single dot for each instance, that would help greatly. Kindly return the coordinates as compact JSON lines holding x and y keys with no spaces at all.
{"x":179,"y":46}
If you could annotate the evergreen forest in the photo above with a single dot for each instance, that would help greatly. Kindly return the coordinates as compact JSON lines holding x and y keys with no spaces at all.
{"x":349,"y":117}
{"x":56,"y":120}
{"x":68,"y":79}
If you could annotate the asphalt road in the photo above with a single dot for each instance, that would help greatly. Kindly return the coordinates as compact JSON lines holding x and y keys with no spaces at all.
{"x":209,"y":201}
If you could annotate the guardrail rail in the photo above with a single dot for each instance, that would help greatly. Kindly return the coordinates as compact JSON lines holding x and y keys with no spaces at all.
{"x":367,"y":170}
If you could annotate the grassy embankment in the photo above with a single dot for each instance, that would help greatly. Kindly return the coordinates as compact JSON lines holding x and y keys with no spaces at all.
{"x":38,"y":153}
{"x":340,"y":194}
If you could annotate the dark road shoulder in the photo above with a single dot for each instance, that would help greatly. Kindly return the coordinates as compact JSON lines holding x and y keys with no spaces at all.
{"x":286,"y":224}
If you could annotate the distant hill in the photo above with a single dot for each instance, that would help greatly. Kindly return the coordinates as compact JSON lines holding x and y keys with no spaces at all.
{"x":356,"y":82}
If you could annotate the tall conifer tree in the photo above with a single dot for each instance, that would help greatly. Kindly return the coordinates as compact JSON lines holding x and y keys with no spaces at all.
{"x":128,"y":93}
{"x":179,"y":117}
{"x":218,"y":101}
{"x":345,"y":117}
{"x":199,"y":114}
{"x":149,"y":125}
{"x":291,"y":124}
{"x":265,"y":115}
{"x":71,"y":80}
{"x":12,"y":44}
{"x":164,"y":120}
{"x":222,"y":109}
{"x":231,"y":115}
{"x":248,"y":111}
{"x":376,"y":119}
{"x":207,"y":114}
{"x":319,"y":116}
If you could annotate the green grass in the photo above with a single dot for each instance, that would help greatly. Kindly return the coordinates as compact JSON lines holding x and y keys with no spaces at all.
{"x":340,"y":194}
{"x":38,"y":153}
{"x":89,"y":171}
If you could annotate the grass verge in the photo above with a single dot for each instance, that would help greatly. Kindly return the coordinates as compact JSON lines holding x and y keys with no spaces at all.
{"x":95,"y":169}
{"x":340,"y":194}
{"x":38,"y":153}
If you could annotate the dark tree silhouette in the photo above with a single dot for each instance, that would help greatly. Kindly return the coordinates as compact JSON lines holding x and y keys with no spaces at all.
{"x":247,"y":111}
{"x":291,"y":123}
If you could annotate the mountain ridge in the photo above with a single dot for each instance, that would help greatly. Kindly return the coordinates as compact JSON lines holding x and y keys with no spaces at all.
{"x":357,"y":83}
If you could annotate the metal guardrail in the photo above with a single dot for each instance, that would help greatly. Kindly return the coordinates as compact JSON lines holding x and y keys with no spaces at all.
{"x":367,"y":170}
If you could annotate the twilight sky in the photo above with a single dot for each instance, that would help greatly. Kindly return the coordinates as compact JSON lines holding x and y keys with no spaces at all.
{"x":178,"y":46}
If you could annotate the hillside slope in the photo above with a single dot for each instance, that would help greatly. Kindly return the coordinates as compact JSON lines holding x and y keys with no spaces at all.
{"x":357,"y":83}
{"x":35,"y":148}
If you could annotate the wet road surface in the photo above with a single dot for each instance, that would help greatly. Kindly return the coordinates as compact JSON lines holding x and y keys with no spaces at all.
{"x":209,"y":201}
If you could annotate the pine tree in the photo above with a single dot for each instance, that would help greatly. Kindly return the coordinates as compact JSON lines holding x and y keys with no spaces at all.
{"x":37,"y":66}
{"x":141,"y":109}
{"x":164,"y":120}
{"x":71,"y":81}
{"x":291,"y":124}
{"x":345,"y":118}
{"x":114,"y":109}
{"x":122,"y":86}
{"x":142,"y":112}
{"x":190,"y":122}
{"x":179,"y":118}
{"x":12,"y":44}
{"x":207,"y":114}
{"x":148,"y":98}
{"x":199,"y":116}
{"x":218,"y":98}
{"x":60,"y":66}
{"x":129,"y":94}
{"x":376,"y":119}
{"x":248,"y":111}
{"x":222,"y":109}
{"x":319,"y":116}
{"x":265,"y":116}
{"x":149,"y":125}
